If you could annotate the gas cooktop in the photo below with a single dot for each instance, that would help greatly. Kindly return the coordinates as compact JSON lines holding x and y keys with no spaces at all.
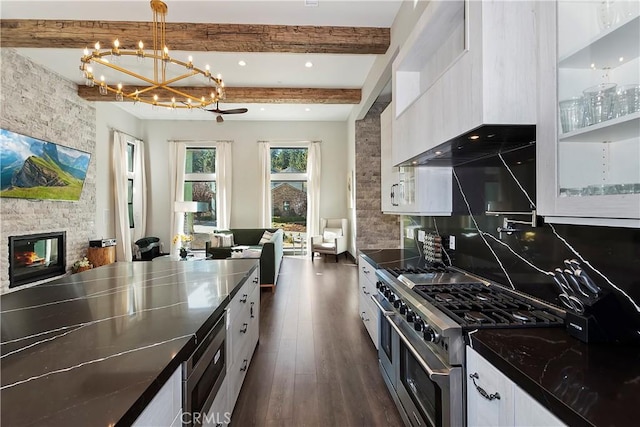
{"x":476,"y":305}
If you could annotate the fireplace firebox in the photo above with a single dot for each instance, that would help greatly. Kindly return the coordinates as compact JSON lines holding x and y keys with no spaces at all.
{"x":36,"y":257}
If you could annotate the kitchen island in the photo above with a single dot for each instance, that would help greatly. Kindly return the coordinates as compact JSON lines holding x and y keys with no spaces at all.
{"x":94,"y":348}
{"x":580,"y":384}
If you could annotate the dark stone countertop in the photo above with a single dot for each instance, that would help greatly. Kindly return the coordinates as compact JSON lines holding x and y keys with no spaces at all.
{"x":393,"y":258}
{"x":582,"y":384}
{"x":94,"y":348}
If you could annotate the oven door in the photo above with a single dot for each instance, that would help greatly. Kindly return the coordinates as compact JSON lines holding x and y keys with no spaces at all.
{"x":388,"y":342}
{"x":430,"y":391}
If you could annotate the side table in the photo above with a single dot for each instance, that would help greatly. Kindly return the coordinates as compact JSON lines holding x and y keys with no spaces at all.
{"x":101,"y":256}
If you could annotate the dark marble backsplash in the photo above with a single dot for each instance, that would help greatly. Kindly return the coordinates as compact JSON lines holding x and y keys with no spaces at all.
{"x":522,"y":258}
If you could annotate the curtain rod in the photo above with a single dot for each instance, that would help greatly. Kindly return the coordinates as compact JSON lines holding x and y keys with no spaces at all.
{"x":124,"y":133}
{"x":290,"y":142}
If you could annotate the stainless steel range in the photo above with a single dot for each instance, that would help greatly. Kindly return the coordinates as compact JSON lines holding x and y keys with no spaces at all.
{"x":424,"y":316}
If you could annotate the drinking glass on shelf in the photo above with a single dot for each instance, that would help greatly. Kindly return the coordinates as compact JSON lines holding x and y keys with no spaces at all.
{"x":629,"y":98}
{"x":571,"y":114}
{"x":607,"y":14}
{"x":599,"y":101}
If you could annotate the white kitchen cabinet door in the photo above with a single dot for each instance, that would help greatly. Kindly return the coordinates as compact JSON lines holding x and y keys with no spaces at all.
{"x":166,"y":406}
{"x":389,"y":194}
{"x":588,"y":156}
{"x":529,"y":413}
{"x":495,"y":410}
{"x":367,"y":287}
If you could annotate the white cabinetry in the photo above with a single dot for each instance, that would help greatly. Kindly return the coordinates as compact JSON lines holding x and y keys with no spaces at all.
{"x":588,"y":167}
{"x":368,"y":311}
{"x":242,"y":335}
{"x":495,"y":400}
{"x":466,"y":63}
{"x":165,"y":408}
{"x":411,"y":190}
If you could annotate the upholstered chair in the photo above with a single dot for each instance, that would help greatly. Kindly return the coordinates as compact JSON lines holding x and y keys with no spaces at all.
{"x":333,"y":237}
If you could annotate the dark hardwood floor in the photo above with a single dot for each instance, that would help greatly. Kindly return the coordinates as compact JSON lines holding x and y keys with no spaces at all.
{"x":315,"y":364}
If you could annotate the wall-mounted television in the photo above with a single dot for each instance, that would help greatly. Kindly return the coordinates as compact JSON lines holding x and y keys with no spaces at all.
{"x":34,"y":169}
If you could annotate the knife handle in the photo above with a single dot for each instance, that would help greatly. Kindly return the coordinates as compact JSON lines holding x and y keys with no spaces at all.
{"x":588,"y":282}
{"x":573,"y":283}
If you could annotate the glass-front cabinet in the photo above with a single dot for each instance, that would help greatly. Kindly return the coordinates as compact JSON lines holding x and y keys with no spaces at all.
{"x":589,"y":112}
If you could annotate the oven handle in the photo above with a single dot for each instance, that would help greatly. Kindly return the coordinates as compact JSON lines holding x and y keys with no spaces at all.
{"x":380,"y":307}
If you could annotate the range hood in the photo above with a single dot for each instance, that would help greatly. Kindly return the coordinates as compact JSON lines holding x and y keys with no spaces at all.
{"x":479,"y":143}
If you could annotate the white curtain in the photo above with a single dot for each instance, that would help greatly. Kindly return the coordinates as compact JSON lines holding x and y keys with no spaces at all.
{"x":123,"y":233}
{"x":177,"y":157}
{"x":264,"y":171}
{"x":314,"y":167}
{"x":223,"y":184}
{"x":139,"y":194}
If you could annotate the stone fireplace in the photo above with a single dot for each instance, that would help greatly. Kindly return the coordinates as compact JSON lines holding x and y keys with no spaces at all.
{"x":36,"y":257}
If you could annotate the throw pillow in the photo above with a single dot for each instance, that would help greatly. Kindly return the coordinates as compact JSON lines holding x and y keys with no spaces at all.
{"x":266,"y":237}
{"x":227,"y":240}
{"x":329,"y":234}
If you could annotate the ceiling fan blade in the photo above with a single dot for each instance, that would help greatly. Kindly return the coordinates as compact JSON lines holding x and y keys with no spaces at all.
{"x":233,"y":111}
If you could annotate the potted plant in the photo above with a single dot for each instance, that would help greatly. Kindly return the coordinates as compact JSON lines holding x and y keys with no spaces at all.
{"x":184,"y":242}
{"x":81,"y":265}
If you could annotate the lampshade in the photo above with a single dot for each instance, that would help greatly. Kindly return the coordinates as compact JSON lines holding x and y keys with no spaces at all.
{"x":190,"y":207}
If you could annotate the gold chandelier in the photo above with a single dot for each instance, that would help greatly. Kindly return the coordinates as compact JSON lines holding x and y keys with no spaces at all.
{"x":159,"y":82}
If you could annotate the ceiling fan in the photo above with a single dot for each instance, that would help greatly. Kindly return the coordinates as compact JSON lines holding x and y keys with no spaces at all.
{"x":220,"y":112}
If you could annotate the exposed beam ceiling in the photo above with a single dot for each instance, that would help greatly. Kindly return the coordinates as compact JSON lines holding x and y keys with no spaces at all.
{"x":197,"y":36}
{"x":254,"y":95}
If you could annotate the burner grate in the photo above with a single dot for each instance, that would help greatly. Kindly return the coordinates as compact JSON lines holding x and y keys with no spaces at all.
{"x":435,"y":268}
{"x":479,"y":306}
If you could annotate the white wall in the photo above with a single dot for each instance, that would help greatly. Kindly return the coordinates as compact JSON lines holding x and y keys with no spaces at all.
{"x":108,"y":118}
{"x":244,"y":208}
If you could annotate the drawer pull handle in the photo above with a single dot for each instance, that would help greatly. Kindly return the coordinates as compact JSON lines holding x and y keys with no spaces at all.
{"x":255,"y":279}
{"x":245,"y":363}
{"x":244,"y":298}
{"x":362,"y":317}
{"x":364,"y":289}
{"x":251,"y":310}
{"x":482,"y":391}
{"x":244,"y":328}
{"x":365,"y":271}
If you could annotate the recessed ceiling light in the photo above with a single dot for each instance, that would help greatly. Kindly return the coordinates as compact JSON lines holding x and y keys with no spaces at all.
{"x":621,"y":58}
{"x":491,"y":135}
{"x":311,"y":3}
{"x":474,"y":137}
{"x":308,"y":64}
{"x":261,"y":108}
{"x":307,"y":109}
{"x":242,"y":63}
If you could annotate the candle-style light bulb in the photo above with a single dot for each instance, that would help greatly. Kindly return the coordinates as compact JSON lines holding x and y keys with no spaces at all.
{"x":89,"y":77}
{"x":119,"y":95}
{"x":86,"y":51}
{"x":103,"y":86}
{"x":97,"y":45}
{"x":140,"y":45}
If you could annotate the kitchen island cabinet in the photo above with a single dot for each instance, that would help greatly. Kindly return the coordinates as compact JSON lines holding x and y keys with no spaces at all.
{"x":367,"y":287}
{"x":588,"y":132}
{"x":96,"y":348}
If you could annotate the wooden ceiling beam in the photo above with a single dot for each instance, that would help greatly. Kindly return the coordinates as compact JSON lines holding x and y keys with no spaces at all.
{"x":247,"y":95}
{"x":196,"y":36}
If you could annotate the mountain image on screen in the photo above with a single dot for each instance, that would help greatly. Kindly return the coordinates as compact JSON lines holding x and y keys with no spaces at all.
{"x":35,"y":169}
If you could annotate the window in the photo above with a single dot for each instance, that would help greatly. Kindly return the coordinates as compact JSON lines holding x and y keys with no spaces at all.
{"x":289,"y":192}
{"x":130,"y":178}
{"x":200,"y":186}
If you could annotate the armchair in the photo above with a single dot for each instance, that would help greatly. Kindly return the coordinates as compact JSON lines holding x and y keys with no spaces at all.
{"x":333,"y":239}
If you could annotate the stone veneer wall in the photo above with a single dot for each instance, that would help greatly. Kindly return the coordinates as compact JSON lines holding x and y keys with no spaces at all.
{"x":38,"y":103}
{"x":374,"y":229}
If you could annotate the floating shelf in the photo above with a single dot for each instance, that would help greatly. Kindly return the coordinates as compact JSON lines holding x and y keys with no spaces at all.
{"x":606,"y":49}
{"x":621,"y":128}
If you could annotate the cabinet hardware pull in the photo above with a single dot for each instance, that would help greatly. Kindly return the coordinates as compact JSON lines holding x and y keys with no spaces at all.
{"x":365,"y":271}
{"x":364,"y":289}
{"x":244,"y":328}
{"x":255,"y":279}
{"x":244,"y":365}
{"x":482,"y":391}
{"x":251,"y":310}
{"x":362,"y":317}
{"x":244,"y":298}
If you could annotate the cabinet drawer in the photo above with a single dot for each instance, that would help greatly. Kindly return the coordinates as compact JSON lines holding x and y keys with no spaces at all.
{"x":240,"y":301}
{"x":219,"y":414}
{"x":238,"y":371}
{"x":369,"y":316}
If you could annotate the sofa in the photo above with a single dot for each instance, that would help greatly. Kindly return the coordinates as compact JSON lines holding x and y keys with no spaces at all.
{"x":271,"y":251}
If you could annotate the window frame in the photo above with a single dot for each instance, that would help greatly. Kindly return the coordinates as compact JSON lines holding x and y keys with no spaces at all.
{"x":131,"y":179}
{"x":194,"y":177}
